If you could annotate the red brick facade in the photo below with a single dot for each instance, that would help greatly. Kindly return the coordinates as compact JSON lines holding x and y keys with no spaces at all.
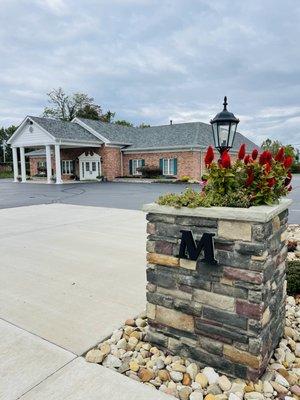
{"x":188,"y":162}
{"x":115,"y":164}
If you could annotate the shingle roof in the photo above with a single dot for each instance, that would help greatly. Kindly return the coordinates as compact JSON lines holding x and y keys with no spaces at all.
{"x":38,"y":152}
{"x":65,"y":130}
{"x":177,"y":135}
{"x":113,"y":132}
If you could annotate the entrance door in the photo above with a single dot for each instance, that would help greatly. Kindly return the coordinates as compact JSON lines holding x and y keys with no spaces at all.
{"x":91,"y":169}
{"x":90,"y":166}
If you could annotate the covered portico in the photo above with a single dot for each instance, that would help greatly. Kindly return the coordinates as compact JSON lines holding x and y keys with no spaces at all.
{"x":54,"y":137}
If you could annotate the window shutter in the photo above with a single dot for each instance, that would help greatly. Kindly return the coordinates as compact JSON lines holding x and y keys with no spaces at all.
{"x":73,"y":166}
{"x":130,"y":167}
{"x":61,"y":167}
{"x":161,"y":165}
{"x":143,"y":163}
{"x":175,"y":166}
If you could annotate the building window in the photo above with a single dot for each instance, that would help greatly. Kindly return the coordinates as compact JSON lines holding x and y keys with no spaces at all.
{"x":41,"y":164}
{"x":168,"y":166}
{"x":67,"y":167}
{"x":134,"y":165}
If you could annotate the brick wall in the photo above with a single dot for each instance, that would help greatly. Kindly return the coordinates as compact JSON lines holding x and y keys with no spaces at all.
{"x":111,"y":162}
{"x":188,"y":162}
{"x":229,"y":316}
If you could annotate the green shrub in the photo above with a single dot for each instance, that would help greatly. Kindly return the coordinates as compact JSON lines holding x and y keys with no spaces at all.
{"x":184,"y":178}
{"x":149,"y":171}
{"x":293,"y":277}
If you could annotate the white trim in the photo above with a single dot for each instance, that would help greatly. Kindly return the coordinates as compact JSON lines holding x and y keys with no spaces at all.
{"x":57,"y":164}
{"x":20,"y":127}
{"x":23,"y":165}
{"x":48,"y":163}
{"x":168,"y":170}
{"x":179,"y":150}
{"x":15,"y":163}
{"x":64,"y":164}
{"x":83,"y":160}
{"x":91,"y":130}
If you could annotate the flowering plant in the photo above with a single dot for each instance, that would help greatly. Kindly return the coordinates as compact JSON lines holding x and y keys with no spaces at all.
{"x":262,"y":179}
{"x":253,"y":179}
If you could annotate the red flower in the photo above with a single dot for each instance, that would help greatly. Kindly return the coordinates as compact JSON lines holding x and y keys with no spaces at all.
{"x":247,"y":159}
{"x":288,"y":179}
{"x":225,"y":159}
{"x":280,"y":155}
{"x":290,"y":188}
{"x":254,"y":154}
{"x":271,"y":182}
{"x":242,"y":152}
{"x":250,"y":178}
{"x":268,"y":168}
{"x":265,"y":157}
{"x":288,"y":161}
{"x":209,"y":156}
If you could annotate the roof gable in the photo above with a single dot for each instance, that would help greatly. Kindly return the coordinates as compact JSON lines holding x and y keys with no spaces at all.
{"x":30,"y":133}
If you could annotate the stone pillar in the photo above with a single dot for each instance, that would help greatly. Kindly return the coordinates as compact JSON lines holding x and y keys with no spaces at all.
{"x":48,"y":163}
{"x":229,"y":316}
{"x":23,"y":165}
{"x":15,"y":163}
{"x":57,"y":164}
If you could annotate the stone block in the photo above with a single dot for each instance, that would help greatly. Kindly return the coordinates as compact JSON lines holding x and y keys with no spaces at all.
{"x":214,"y":300}
{"x":211,"y":345}
{"x":224,"y":317}
{"x":163,"y":259}
{"x":175,"y":319}
{"x":247,"y":309}
{"x":243,"y":275}
{"x":235,"y":230}
{"x":151,"y":310}
{"x":164,"y":247}
{"x":151,"y":228}
{"x":174,"y":293}
{"x":229,"y":290}
{"x":188,"y":264}
{"x":241,"y":357}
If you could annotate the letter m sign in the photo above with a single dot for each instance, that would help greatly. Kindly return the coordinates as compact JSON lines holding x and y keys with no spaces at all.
{"x":191,"y":250}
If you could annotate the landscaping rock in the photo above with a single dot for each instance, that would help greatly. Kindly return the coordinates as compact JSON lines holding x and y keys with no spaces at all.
{"x":128,"y":353}
{"x":224,"y":383}
{"x":94,"y":356}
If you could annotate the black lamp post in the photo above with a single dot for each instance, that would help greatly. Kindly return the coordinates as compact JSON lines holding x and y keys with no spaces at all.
{"x":224,"y":127}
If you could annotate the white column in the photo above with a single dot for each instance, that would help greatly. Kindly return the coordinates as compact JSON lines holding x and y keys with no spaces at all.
{"x":15,"y":163}
{"x":48,"y":163}
{"x":57,"y":164}
{"x":23,"y":166}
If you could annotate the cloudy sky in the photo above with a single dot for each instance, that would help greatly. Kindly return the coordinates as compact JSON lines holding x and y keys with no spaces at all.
{"x":156,"y":60}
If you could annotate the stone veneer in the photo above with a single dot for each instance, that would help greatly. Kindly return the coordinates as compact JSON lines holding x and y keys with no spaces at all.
{"x":229,"y":316}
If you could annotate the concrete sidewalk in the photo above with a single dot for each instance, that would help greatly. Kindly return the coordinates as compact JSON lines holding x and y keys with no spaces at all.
{"x":70,"y":275}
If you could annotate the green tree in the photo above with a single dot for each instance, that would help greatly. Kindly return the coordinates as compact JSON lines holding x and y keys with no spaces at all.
{"x":66,"y":107}
{"x":123,"y":122}
{"x":108,"y":116}
{"x":5,"y":134}
{"x":143,"y":125}
{"x":89,"y":112}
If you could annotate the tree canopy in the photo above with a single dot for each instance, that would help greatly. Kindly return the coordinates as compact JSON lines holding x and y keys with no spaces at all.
{"x":66,"y":107}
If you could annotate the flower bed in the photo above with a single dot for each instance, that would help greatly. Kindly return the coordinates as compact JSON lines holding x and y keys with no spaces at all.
{"x":252,"y":180}
{"x":128,"y":352}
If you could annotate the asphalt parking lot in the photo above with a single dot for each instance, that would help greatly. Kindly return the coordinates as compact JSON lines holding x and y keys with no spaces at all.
{"x":115,"y":195}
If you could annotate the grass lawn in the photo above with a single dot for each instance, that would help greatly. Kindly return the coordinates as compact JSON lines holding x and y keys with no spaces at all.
{"x":6,"y":174}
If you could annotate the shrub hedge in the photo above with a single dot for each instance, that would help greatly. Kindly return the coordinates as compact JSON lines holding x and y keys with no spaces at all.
{"x":293,"y":277}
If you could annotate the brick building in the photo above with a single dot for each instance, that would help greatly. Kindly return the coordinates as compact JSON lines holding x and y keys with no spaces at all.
{"x":86,"y":149}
